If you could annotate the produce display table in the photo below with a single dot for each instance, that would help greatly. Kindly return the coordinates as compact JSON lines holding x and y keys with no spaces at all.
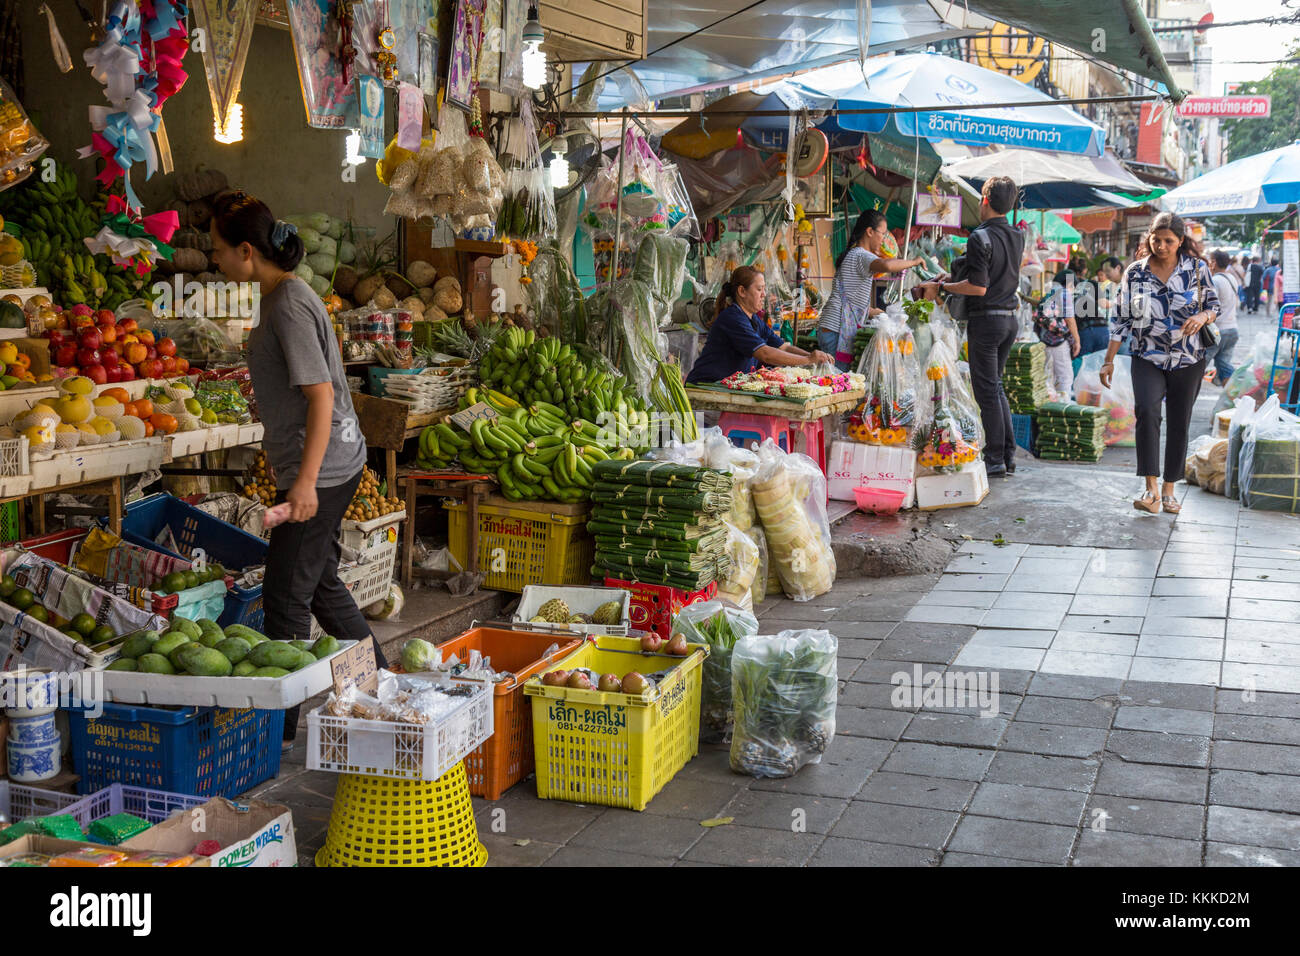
{"x":718,"y":398}
{"x":471,"y":489}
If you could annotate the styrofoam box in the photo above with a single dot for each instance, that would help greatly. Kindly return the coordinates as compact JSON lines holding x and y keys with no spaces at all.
{"x":957,"y":490}
{"x":97,"y":462}
{"x":852,"y":465}
{"x":264,"y":693}
{"x":580,"y":601}
{"x":184,"y":444}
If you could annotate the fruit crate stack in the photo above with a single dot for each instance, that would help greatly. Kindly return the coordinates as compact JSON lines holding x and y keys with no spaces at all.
{"x":1070,"y":432}
{"x":660,"y":523}
{"x":1025,"y":380}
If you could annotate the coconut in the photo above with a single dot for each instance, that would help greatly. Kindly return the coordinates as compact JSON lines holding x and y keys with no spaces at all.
{"x":345,"y":280}
{"x":399,"y":286}
{"x":365,"y":289}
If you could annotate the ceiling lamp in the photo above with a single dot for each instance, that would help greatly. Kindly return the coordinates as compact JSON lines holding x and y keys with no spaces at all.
{"x":233,"y":129}
{"x":534,"y":67}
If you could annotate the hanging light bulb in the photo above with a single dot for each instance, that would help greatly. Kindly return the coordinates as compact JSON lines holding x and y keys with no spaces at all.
{"x":559,"y":170}
{"x":354,"y":157}
{"x":534,"y":66}
{"x":233,"y":129}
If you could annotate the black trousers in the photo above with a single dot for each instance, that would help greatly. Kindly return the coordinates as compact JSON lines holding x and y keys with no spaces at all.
{"x":302,"y":579}
{"x":990,"y":338}
{"x":1178,"y":389}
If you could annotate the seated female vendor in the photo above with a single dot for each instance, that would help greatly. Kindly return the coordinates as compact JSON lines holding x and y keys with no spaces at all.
{"x":738,"y":341}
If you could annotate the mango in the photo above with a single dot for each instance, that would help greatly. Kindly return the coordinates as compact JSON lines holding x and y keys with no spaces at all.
{"x":169,"y":642}
{"x":270,"y":672}
{"x":247,"y":633}
{"x":275,"y":654}
{"x":138,"y":644}
{"x":211,"y":638}
{"x":306,"y":659}
{"x":204,"y":661}
{"x":186,"y":626}
{"x":235,"y":648}
{"x":155,"y":664}
{"x":122,"y":664}
{"x":327,"y":645}
{"x":206,"y":624}
{"x":243,"y":669}
{"x":301,"y":645}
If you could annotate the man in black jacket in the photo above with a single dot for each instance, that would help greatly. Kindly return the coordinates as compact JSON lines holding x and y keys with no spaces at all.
{"x":993,"y":255}
{"x":1254,"y":284}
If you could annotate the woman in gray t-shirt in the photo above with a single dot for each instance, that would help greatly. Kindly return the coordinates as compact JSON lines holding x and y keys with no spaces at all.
{"x":312,"y":441}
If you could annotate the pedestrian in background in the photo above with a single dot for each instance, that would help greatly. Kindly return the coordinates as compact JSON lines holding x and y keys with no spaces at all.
{"x":1239,"y":269}
{"x":1226,"y":287}
{"x":1166,"y":297}
{"x":1058,"y":331}
{"x":1270,"y":274}
{"x":1254,"y":285}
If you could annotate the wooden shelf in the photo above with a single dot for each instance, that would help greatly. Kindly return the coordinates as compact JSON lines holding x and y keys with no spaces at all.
{"x":475,"y":247}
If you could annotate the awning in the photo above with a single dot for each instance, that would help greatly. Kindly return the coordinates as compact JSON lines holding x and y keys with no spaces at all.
{"x":1049,"y":225}
{"x":1263,"y":183}
{"x":1052,"y":180}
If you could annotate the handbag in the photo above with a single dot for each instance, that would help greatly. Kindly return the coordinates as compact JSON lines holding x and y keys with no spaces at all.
{"x":1049,"y":323}
{"x":1209,"y":335}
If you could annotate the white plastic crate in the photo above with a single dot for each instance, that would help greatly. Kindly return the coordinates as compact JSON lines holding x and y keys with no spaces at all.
{"x":19,"y":802}
{"x":580,"y":601}
{"x":383,"y":748}
{"x":374,"y":536}
{"x":15,"y":467}
{"x":367,"y":582}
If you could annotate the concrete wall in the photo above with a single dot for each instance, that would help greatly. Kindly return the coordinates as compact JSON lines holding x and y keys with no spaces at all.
{"x":294,"y":168}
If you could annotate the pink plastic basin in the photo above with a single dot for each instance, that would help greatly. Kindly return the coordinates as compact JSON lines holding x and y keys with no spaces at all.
{"x":881,"y":501}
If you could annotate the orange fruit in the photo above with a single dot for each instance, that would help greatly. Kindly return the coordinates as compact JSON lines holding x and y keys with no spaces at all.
{"x":144,"y":407}
{"x":145,"y":336}
{"x":163,"y":422}
{"x":148,"y":430}
{"x":121,"y":394}
{"x":24,"y":360}
{"x":130,"y":407}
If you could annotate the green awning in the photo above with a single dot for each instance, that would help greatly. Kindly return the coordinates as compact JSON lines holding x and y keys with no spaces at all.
{"x":1050,"y":226}
{"x":1113,"y":31}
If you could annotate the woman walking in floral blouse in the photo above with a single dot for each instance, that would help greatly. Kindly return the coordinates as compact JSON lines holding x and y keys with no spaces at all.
{"x":1165,"y":298}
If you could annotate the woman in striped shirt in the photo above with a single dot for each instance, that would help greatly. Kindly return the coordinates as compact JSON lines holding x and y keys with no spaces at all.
{"x":848,"y":307}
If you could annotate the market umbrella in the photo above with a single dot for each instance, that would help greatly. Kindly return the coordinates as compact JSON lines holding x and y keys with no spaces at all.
{"x":1265,"y":182}
{"x":932,"y":83}
{"x":1052,"y":180}
{"x":1050,"y":226}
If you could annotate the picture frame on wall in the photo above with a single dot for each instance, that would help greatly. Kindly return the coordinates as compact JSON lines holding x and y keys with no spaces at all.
{"x":510,"y":74}
{"x":814,"y":193}
{"x":428,"y":70}
{"x":466,"y":34}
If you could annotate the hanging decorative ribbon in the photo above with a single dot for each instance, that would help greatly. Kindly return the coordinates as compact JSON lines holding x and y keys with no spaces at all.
{"x":134,"y":241}
{"x":139,"y":63}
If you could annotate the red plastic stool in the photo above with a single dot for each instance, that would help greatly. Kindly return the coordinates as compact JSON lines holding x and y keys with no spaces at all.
{"x":741,"y":430}
{"x":809,"y":438}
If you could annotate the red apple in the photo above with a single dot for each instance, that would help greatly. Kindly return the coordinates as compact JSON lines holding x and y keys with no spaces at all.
{"x":96,"y":373}
{"x":151,"y":352}
{"x":114,"y":373}
{"x":127,"y":372}
{"x":108,"y":356}
{"x":168,"y":365}
{"x":90,"y":338}
{"x":87,"y":356}
{"x":65,"y":355}
{"x":127,"y":325}
{"x":166,"y":347}
{"x":105,"y":317}
{"x":57,"y":338}
{"x":81,"y":309}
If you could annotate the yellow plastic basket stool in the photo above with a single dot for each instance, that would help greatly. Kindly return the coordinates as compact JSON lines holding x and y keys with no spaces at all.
{"x":615,"y":749}
{"x":382,"y":822}
{"x":522,"y":543}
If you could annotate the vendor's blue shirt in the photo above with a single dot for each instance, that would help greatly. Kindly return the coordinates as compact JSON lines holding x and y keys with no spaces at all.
{"x":730,"y":347}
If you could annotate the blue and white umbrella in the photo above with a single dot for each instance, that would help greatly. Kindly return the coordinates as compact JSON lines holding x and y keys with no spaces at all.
{"x":1263,"y":183}
{"x":933,"y":84}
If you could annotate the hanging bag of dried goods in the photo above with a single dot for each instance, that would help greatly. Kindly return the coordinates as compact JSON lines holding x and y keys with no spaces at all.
{"x":719,"y":626}
{"x":790,"y":493}
{"x":950,"y":434}
{"x":888,"y":414}
{"x":745,"y":566}
{"x":783,"y":695}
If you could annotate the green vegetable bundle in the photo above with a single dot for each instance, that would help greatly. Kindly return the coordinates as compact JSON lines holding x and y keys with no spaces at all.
{"x":720,"y":626}
{"x":662,"y":474}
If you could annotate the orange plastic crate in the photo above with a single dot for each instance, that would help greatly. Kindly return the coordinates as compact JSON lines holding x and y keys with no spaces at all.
{"x":507,"y":756}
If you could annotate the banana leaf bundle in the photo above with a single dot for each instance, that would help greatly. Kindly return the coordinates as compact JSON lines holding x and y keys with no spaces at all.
{"x":660,"y":530}
{"x":713,"y":544}
{"x":710,"y":502}
{"x":635,"y":515}
{"x":628,"y":568}
{"x":663,"y":474}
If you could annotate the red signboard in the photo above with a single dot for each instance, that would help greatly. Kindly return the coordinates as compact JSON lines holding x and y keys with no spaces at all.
{"x":1226,"y":107}
{"x":1151,"y":131}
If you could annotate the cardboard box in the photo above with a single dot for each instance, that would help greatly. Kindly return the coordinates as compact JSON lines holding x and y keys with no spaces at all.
{"x":252,"y":833}
{"x":852,"y":465}
{"x":956,"y":490}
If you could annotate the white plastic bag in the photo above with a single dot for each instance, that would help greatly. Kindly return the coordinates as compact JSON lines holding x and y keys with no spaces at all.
{"x":1243,"y":413}
{"x":1117,"y":400}
{"x":790,"y":495}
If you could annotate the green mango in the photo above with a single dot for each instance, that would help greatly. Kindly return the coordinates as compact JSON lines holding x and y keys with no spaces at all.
{"x":169,"y":642}
{"x":122,"y":664}
{"x":269,"y":672}
{"x":326,"y":646}
{"x":306,"y":659}
{"x":243,"y":669}
{"x":247,"y":633}
{"x":155,"y":664}
{"x":206,"y":624}
{"x":212,"y":638}
{"x":301,"y":645}
{"x":203,"y":661}
{"x":275,"y":654}
{"x":186,"y":626}
{"x":235,"y":649}
{"x":138,"y":644}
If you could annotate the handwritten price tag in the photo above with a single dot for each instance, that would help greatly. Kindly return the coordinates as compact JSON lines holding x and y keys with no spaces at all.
{"x":355,"y":666}
{"x":472,"y":414}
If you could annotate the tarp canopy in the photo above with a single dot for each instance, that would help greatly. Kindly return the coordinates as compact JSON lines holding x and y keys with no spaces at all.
{"x":705,"y":44}
{"x":1263,"y":183}
{"x":1052,"y":180}
{"x":1049,"y":225}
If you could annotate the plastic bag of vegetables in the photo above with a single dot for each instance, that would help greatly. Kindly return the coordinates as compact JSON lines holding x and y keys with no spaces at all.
{"x":720,"y":626}
{"x":783,"y":691}
{"x":790,"y":495}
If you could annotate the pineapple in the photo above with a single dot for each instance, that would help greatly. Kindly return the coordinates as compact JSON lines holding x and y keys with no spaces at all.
{"x":554,"y":611}
{"x":607,"y":613}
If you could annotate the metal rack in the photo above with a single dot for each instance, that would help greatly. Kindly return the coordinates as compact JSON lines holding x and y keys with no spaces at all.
{"x":1287,"y":346}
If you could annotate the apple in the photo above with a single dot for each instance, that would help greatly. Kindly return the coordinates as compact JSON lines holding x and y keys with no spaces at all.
{"x":96,"y":373}
{"x":127,"y":372}
{"x":151,"y":352}
{"x":108,"y":333}
{"x":127,"y":325}
{"x":168,"y":365}
{"x":87,"y":356}
{"x":108,"y":356}
{"x":90,"y":338}
{"x":81,"y":309}
{"x":114,"y":372}
{"x":166,"y":347}
{"x":105,"y":317}
{"x":65,"y":355}
{"x":57,"y":338}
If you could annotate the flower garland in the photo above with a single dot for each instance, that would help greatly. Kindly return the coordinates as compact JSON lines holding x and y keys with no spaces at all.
{"x":139,"y":63}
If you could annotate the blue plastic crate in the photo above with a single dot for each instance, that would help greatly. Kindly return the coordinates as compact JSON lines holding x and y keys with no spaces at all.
{"x":1024,"y":429}
{"x":377,"y":373}
{"x":233,"y":548}
{"x":205,"y":751}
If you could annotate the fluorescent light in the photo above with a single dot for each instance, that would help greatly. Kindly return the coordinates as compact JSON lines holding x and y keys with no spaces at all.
{"x":559,"y":171}
{"x":233,"y":131}
{"x":354,"y":157}
{"x":534,"y":65}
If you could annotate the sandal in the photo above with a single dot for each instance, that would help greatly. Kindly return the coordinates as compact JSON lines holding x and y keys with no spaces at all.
{"x":1148,"y":502}
{"x":1170,"y":504}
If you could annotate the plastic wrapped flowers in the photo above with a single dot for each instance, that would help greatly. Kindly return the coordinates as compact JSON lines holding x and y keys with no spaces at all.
{"x":888,"y":414}
{"x":951,"y":435}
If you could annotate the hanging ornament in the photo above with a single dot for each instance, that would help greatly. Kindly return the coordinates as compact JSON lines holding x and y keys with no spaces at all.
{"x":385,"y":58}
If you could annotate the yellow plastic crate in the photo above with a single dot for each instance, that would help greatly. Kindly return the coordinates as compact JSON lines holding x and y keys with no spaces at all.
{"x":615,"y":749}
{"x":527,"y":543}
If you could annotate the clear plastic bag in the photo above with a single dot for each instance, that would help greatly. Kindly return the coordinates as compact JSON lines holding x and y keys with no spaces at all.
{"x":784,"y":690}
{"x":742,"y":463}
{"x":1242,"y":415}
{"x":745,"y":565}
{"x":1270,"y":460}
{"x":720,"y":627}
{"x":950,"y":432}
{"x":890,"y":411}
{"x":20,"y":143}
{"x":528,"y":211}
{"x":790,"y":495}
{"x":1118,"y":400}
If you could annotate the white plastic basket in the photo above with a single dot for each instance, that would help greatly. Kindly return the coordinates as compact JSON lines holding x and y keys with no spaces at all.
{"x":580,"y":601}
{"x":382,"y":748}
{"x":373,"y":536}
{"x":13,"y":457}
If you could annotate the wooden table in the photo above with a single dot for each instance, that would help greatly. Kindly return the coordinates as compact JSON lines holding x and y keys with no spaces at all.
{"x":112,"y":487}
{"x":471,"y":490}
{"x":720,"y":399}
{"x":389,"y":424}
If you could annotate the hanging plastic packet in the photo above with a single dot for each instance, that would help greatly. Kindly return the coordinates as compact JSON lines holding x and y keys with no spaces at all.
{"x":889,"y":412}
{"x":20,"y":143}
